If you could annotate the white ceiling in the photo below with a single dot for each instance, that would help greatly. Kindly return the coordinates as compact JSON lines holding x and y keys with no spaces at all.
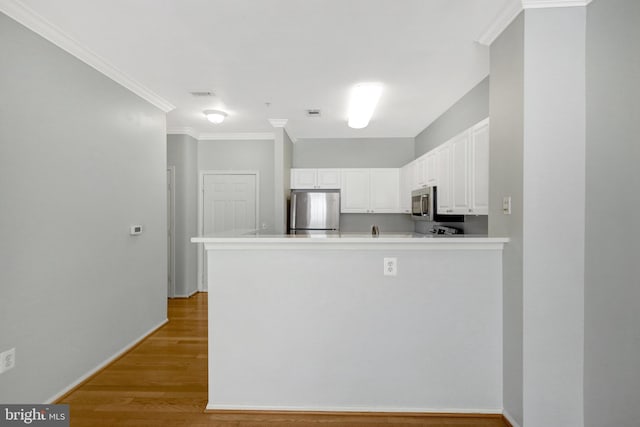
{"x":293,"y":54}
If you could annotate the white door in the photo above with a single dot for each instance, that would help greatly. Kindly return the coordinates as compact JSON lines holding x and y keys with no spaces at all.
{"x":228,"y":203}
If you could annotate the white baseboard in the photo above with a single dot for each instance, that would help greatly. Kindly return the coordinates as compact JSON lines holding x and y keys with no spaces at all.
{"x":510,"y":419}
{"x":371,"y":409}
{"x":104,"y":364}
{"x":187,"y":295}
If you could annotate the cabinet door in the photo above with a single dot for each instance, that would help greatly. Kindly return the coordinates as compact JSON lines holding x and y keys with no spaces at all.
{"x":385,"y":184}
{"x":355,"y":191}
{"x":479,"y":171}
{"x":460,"y":173}
{"x":443,"y":158}
{"x":406,"y":186}
{"x":303,"y":178}
{"x":421,"y":171}
{"x":431,"y":169}
{"x":328,"y":178}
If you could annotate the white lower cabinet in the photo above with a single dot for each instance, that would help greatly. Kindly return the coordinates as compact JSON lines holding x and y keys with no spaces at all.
{"x":370,"y":190}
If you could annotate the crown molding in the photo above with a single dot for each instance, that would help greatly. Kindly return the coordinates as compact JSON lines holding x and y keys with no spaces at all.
{"x":236,"y":136}
{"x":38,"y":24}
{"x":538,"y":4}
{"x":184,"y":131}
{"x":511,"y":10}
{"x":278,"y":123}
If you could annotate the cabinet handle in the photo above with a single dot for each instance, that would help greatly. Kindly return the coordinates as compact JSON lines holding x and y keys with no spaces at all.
{"x":470,"y":210}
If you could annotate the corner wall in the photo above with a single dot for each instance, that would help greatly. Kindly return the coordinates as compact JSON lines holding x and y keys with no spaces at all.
{"x":182,"y":153}
{"x":81,"y":159}
{"x":612,"y":271}
{"x":506,"y":179}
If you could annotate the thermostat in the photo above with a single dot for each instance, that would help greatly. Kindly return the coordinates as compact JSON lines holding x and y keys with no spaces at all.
{"x":134,"y":230}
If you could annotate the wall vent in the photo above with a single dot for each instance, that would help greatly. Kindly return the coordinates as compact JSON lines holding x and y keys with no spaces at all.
{"x":202,"y":93}
{"x":313,"y":113}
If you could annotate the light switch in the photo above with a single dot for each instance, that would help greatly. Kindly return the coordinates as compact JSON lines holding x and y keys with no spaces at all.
{"x":506,"y":205}
{"x":134,"y":230}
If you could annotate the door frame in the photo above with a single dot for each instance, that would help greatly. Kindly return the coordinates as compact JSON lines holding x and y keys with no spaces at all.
{"x":201,"y":174}
{"x":171,"y":220}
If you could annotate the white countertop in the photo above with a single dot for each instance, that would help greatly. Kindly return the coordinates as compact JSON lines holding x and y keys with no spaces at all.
{"x":246,"y":239}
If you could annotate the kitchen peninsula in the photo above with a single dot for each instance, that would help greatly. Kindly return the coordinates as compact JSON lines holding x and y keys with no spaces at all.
{"x":316,"y":324}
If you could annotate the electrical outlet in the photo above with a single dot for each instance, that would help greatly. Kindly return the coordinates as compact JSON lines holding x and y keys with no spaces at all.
{"x":391,"y":266}
{"x":7,"y":360}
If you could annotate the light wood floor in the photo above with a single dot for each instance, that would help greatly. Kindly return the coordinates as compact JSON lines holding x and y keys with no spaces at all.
{"x":163,"y":382}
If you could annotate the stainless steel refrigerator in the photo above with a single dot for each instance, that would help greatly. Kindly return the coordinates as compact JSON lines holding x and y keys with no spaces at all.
{"x":314,"y":211}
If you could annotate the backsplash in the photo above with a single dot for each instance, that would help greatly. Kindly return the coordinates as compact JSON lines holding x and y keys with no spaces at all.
{"x":473,"y":224}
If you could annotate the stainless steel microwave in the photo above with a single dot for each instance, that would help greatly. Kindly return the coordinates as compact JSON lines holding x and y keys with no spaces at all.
{"x":422,"y":203}
{"x":424,"y":206}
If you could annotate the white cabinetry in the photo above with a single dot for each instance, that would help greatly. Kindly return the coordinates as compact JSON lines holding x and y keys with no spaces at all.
{"x":315,"y":178}
{"x":421,"y":171}
{"x":463,"y":172}
{"x":443,"y":160}
{"x":479,"y":169}
{"x":407,"y":185}
{"x":370,"y":190}
{"x":431,"y":169}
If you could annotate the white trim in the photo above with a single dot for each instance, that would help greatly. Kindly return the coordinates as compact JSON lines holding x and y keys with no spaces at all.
{"x":102,"y":365}
{"x":370,"y":409}
{"x":172,"y":230}
{"x":349,"y":243}
{"x":233,"y":136}
{"x":188,"y":295}
{"x":510,"y":419}
{"x":38,"y":24}
{"x":201,"y":174}
{"x":184,"y":131}
{"x":500,"y":23}
{"x":537,"y":4}
{"x":278,"y":123}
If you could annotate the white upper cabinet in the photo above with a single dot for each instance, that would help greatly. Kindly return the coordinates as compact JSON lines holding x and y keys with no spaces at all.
{"x":443,"y":160}
{"x":384,"y":191}
{"x":463,"y":172}
{"x":479,"y":169}
{"x":460,"y":173}
{"x":315,"y":178}
{"x":431,"y":172}
{"x":421,"y":171}
{"x":370,"y":190}
{"x":355,"y":191}
{"x":407,"y":185}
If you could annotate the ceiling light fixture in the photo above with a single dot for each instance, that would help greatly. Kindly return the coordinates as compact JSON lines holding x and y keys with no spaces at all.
{"x":215,"y":116}
{"x":364,"y":98}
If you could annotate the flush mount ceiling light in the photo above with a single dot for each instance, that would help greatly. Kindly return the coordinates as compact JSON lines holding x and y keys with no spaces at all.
{"x":215,"y":116}
{"x":364,"y":98}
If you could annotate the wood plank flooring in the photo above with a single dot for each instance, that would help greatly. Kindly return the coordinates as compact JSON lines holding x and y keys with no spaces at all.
{"x":163,"y":382}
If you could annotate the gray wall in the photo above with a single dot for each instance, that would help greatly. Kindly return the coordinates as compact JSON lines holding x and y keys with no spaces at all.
{"x":353,"y":153}
{"x":182,"y":153}
{"x":612,"y":292}
{"x":283,"y":154}
{"x":81,"y":159}
{"x":506,"y":179}
{"x":469,"y":110}
{"x":244,"y":156}
{"x":554,"y":177}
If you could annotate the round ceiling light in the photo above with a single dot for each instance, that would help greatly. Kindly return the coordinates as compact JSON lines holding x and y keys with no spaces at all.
{"x":215,"y":116}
